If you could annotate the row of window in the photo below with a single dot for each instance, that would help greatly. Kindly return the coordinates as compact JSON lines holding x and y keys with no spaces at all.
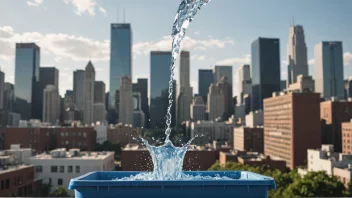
{"x":5,"y":184}
{"x":73,"y":134}
{"x":56,"y":169}
{"x":74,"y":143}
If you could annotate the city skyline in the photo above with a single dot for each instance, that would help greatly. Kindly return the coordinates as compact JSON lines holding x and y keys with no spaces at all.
{"x":223,"y":44}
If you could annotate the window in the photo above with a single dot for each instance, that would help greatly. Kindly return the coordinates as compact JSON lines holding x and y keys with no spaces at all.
{"x":7,"y":184}
{"x":85,"y":134}
{"x":14,"y":181}
{"x":2,"y":184}
{"x":77,"y":169}
{"x":79,"y":134}
{"x":62,"y":169}
{"x":38,"y":169}
{"x":49,"y":180}
{"x":59,"y":182}
{"x":66,"y":134}
{"x":70,"y":169}
{"x":62,"y":133}
{"x":67,"y":142}
{"x":54,"y":169}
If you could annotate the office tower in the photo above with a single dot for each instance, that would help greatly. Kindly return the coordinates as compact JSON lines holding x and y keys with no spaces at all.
{"x":225,"y":89}
{"x":9,"y":97}
{"x":244,"y":83}
{"x":78,"y":89}
{"x":296,"y":54}
{"x":138,"y":114}
{"x":99,"y":112}
{"x":47,"y":76}
{"x":142,"y":87}
{"x":2,"y":87}
{"x":332,"y":114}
{"x":99,"y":92}
{"x":126,"y":106}
{"x":205,"y":78}
{"x":283,"y":85}
{"x":68,"y":100}
{"x":198,"y":109}
{"x":328,"y":68}
{"x":51,"y":104}
{"x":89,"y":79}
{"x":120,"y":59}
{"x":185,"y":93}
{"x":215,"y":103}
{"x":265,"y":70}
{"x":221,"y":71}
{"x":287,"y":135}
{"x":303,"y":84}
{"x":27,"y":63}
{"x":159,"y":87}
{"x":348,"y":88}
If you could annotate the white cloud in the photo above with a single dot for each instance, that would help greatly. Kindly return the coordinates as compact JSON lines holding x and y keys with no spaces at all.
{"x":102,"y":10}
{"x":196,"y":33}
{"x":311,"y":61}
{"x":198,"y":57}
{"x":83,"y":6}
{"x":194,"y":84}
{"x":347,"y":58}
{"x":232,"y":61}
{"x":99,"y":69}
{"x":34,"y":3}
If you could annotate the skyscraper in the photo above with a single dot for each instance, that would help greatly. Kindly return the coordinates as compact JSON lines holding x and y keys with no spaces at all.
{"x":126,"y":106}
{"x":27,"y":63}
{"x":221,"y":71}
{"x":68,"y":100}
{"x":89,"y":79}
{"x":51,"y":104}
{"x":159,"y":85}
{"x":265,"y":70}
{"x":99,"y":92}
{"x":185,"y":93}
{"x":215,"y":103}
{"x":244,"y":83}
{"x":198,"y":109}
{"x":328,"y":69}
{"x":138,"y":115}
{"x":205,"y":78}
{"x":120,"y":58}
{"x":142,"y":87}
{"x":48,"y":76}
{"x":99,"y":112}
{"x":78,"y":89}
{"x":2,"y":87}
{"x":296,"y":54}
{"x":225,"y":89}
{"x":9,"y":97}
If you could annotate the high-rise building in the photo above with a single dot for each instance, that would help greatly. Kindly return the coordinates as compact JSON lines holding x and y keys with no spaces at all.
{"x":9,"y":97}
{"x":296,"y":54}
{"x":126,"y":106}
{"x":120,"y":59}
{"x":265,"y":70}
{"x":328,"y":68}
{"x":68,"y":100}
{"x":142,"y":87}
{"x":47,"y":76}
{"x":27,"y":63}
{"x":78,"y":89}
{"x":244,"y":83}
{"x":198,"y":109}
{"x":138,"y":114}
{"x":205,"y":78}
{"x":51,"y":104}
{"x":185,"y":93}
{"x":283,"y":85}
{"x":89,"y":79}
{"x":222,"y":71}
{"x":215,"y":103}
{"x":99,"y":92}
{"x":2,"y":87}
{"x":225,"y":89}
{"x":348,"y":88}
{"x":159,"y":87}
{"x":303,"y":84}
{"x":287,"y":135}
{"x":99,"y":112}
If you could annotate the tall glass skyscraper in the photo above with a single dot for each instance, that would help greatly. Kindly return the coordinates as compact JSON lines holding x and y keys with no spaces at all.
{"x":265,"y":70}
{"x":329,"y":69}
{"x":26,"y":78}
{"x":159,"y":85}
{"x":222,"y":71}
{"x":205,"y":78}
{"x":120,"y":58}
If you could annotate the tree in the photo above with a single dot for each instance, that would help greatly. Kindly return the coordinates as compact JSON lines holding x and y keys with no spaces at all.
{"x":60,"y":192}
{"x":348,"y":192}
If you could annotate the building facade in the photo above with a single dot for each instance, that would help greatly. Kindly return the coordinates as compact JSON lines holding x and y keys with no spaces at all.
{"x":223,"y":71}
{"x":225,"y":89}
{"x":303,"y":84}
{"x":126,"y":100}
{"x":99,"y":92}
{"x":123,"y":134}
{"x":209,"y":131}
{"x":142,"y":87}
{"x":78,"y":89}
{"x":215,"y":103}
{"x":205,"y":79}
{"x":244,"y":83}
{"x":89,"y":79}
{"x":198,"y":109}
{"x":99,"y":112}
{"x":249,"y":139}
{"x":51,"y":104}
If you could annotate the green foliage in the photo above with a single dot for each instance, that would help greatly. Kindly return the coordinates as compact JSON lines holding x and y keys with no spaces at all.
{"x":60,"y":192}
{"x":290,"y":184}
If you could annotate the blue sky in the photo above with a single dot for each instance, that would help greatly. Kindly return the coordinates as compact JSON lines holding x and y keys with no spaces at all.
{"x":70,"y":32}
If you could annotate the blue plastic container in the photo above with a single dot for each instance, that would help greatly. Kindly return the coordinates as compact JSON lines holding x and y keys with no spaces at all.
{"x":102,"y":184}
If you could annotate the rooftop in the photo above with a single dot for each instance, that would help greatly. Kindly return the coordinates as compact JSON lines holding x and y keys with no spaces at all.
{"x":6,"y":169}
{"x":73,"y":154}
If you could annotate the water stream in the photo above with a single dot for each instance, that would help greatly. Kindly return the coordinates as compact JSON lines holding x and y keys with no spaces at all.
{"x":168,"y":159}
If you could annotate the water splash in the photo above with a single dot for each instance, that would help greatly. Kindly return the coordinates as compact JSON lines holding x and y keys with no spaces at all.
{"x":168,"y":159}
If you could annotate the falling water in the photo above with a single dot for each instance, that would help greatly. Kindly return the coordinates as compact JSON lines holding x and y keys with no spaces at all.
{"x":168,"y":159}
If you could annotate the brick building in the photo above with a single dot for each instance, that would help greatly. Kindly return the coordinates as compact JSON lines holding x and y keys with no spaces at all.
{"x":347,"y":137}
{"x":332,"y":114}
{"x":291,"y":126}
{"x":249,"y":139}
{"x":49,"y":138}
{"x":122,"y":134}
{"x":18,"y":180}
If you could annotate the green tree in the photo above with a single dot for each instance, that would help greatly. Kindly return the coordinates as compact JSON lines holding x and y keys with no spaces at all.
{"x":315,"y":184}
{"x":60,"y":192}
{"x":348,"y":192}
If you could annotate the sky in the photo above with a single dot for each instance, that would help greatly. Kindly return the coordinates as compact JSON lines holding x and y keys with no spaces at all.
{"x":72,"y":32}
